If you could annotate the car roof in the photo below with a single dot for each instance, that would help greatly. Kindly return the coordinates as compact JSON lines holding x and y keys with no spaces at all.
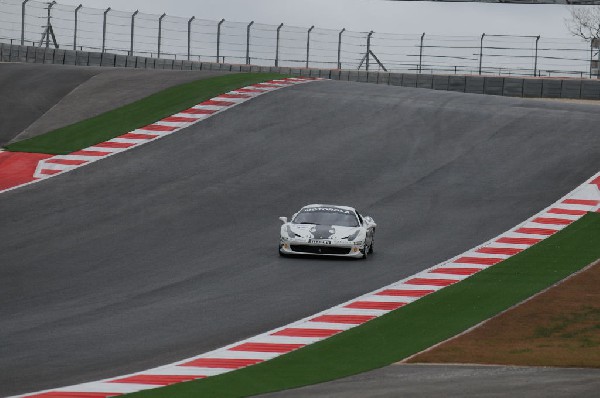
{"x":325,"y":205}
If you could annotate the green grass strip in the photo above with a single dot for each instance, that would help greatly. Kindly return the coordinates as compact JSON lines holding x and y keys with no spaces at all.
{"x":137,"y":114}
{"x":415,"y":327}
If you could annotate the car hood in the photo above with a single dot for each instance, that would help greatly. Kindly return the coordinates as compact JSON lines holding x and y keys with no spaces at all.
{"x":313,"y":231}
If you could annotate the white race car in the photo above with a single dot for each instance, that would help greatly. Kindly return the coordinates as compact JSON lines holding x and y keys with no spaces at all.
{"x":327,"y":230}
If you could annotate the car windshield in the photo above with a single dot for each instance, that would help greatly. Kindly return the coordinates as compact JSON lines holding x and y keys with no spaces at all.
{"x":326,"y":216}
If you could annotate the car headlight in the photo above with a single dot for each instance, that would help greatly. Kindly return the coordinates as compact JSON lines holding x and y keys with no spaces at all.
{"x":353,"y":236}
{"x":291,"y":234}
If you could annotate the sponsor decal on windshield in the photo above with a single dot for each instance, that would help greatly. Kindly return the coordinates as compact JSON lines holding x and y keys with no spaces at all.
{"x":326,"y":210}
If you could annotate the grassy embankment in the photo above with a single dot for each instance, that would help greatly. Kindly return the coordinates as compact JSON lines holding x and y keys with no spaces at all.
{"x":137,"y":114}
{"x":412,"y":328}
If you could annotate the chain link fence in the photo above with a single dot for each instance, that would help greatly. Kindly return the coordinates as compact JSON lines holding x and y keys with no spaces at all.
{"x":164,"y":36}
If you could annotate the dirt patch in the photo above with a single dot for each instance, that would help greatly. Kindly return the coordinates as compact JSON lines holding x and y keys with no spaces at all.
{"x":560,"y":327}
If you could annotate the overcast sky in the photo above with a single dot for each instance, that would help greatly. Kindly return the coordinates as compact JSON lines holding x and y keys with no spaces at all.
{"x":364,"y":15}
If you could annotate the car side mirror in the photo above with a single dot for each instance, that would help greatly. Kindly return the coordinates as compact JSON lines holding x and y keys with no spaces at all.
{"x":370,"y":221}
{"x":283,"y":219}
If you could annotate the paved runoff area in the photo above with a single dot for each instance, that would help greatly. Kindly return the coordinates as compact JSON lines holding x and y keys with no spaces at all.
{"x":464,"y":381}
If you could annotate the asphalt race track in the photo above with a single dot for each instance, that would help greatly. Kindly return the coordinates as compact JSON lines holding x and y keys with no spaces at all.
{"x":169,"y":250}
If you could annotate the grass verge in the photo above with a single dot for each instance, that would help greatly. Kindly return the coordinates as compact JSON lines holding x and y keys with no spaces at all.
{"x":137,"y":114}
{"x":415,"y":327}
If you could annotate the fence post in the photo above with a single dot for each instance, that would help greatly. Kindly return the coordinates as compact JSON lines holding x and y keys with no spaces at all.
{"x":190,"y":35}
{"x":75,"y":29}
{"x":368,"y":55}
{"x":133,"y":30}
{"x":421,"y":53}
{"x":160,"y":32}
{"x":308,"y":44}
{"x":340,"y":48}
{"x":537,"y":39}
{"x":248,"y":42}
{"x":23,"y":22}
{"x":49,"y":24}
{"x":591,"y":55}
{"x":598,"y":64}
{"x":104,"y":29}
{"x":219,"y":38}
{"x":277,"y":46}
{"x":481,"y":53}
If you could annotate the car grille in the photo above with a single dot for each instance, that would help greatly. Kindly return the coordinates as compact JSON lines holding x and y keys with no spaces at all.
{"x":320,"y":249}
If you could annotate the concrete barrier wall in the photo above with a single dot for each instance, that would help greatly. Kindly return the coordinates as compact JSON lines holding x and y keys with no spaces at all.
{"x":491,"y":85}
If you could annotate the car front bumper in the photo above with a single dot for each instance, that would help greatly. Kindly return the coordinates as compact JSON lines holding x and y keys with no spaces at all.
{"x":344,"y":249}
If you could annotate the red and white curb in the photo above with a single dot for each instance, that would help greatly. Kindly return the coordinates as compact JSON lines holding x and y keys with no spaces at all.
{"x":51,"y":166}
{"x":584,"y":199}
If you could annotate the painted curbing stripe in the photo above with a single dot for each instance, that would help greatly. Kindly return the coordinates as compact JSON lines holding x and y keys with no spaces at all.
{"x":306,"y":332}
{"x":509,"y":251}
{"x":537,"y":231}
{"x":486,"y":257}
{"x":396,"y":299}
{"x":515,"y":234}
{"x":157,"y":127}
{"x":138,"y":136}
{"x":585,"y":202}
{"x":248,"y":90}
{"x":479,"y":260}
{"x":217,"y":103}
{"x":50,"y":172}
{"x":179,"y":119}
{"x":455,"y":271}
{"x":112,"y":144}
{"x":105,"y":387}
{"x":157,"y":380}
{"x":196,"y":111}
{"x":226,"y":353}
{"x":405,"y":292}
{"x":237,"y":96}
{"x":350,"y":319}
{"x":69,"y":162}
{"x":376,"y":305}
{"x":343,"y":310}
{"x":324,"y":325}
{"x":552,"y":221}
{"x":222,"y":363}
{"x":91,"y":153}
{"x":267,"y":347}
{"x":431,"y":282}
{"x":558,"y":210}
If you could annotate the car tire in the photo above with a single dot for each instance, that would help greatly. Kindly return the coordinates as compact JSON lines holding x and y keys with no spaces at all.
{"x":371,"y":247}
{"x":365,"y":253}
